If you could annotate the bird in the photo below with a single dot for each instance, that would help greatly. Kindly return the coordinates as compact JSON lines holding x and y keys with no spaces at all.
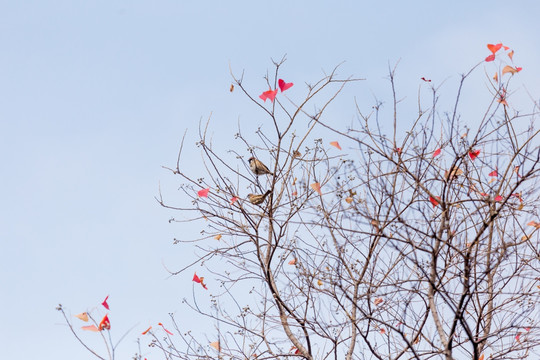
{"x":258,"y":167}
{"x":257,"y":199}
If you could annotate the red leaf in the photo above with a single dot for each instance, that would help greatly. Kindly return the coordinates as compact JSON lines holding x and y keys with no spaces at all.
{"x":426,"y":80}
{"x":104,"y":303}
{"x":494,"y":48}
{"x":167,"y":331}
{"x":335,"y":144}
{"x":203,"y":192}
{"x":283,"y":85}
{"x":146,"y":331}
{"x":494,"y":173}
{"x":233,"y":199}
{"x":490,"y":58}
{"x":105,"y":324}
{"x":398,"y":150}
{"x":437,"y":152}
{"x":498,"y":198}
{"x":269,"y":94}
{"x":199,"y":280}
{"x":434,"y":201}
{"x":473,"y":154}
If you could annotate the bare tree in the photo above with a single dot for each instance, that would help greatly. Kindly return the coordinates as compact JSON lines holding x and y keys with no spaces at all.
{"x":415,"y":246}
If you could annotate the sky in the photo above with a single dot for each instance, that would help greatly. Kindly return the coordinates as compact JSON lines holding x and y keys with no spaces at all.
{"x":96,"y":95}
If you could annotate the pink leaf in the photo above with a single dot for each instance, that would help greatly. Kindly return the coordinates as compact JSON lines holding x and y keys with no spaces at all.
{"x":269,"y":94}
{"x":498,"y":198}
{"x":437,"y":152}
{"x":494,"y":173}
{"x":283,"y":85}
{"x":233,"y":199}
{"x":203,"y":192}
{"x":90,"y":328}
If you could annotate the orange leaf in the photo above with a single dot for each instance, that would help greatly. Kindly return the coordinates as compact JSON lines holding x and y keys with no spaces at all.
{"x":481,"y":357}
{"x":437,"y":152}
{"x":378,"y":301}
{"x":511,"y":70}
{"x":203,"y":192}
{"x":317,"y":187}
{"x":199,"y":280}
{"x":146,"y":331}
{"x":294,"y":193}
{"x":90,"y":328}
{"x":494,"y":48}
{"x":511,"y":55}
{"x":217,"y":237}
{"x":215,"y":345}
{"x":231,"y":89}
{"x":292,"y":262}
{"x":83,"y":316}
{"x":505,"y":47}
{"x":473,"y":154}
{"x":319,"y":282}
{"x":535,"y":224}
{"x":348,"y":200}
{"x":434,"y":201}
{"x":167,"y":331}
{"x":335,"y":144}
{"x":105,"y":324}
{"x":496,"y":77}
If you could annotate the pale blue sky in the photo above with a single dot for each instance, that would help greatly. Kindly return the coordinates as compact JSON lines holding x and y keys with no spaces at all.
{"x":94,"y":99}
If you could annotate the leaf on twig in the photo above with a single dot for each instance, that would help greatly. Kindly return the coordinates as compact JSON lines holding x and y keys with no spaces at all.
{"x":203,"y":192}
{"x":146,"y":331}
{"x":437,"y":152}
{"x":511,"y":70}
{"x":434,"y":200}
{"x":215,"y":345}
{"x":82,"y":316}
{"x":105,"y":304}
{"x":269,"y":94}
{"x":317,"y":187}
{"x":217,"y":237}
{"x":199,"y":280}
{"x":473,"y":154}
{"x":90,"y":328}
{"x":105,"y":324}
{"x":167,"y":331}
{"x":292,"y":262}
{"x":283,"y":85}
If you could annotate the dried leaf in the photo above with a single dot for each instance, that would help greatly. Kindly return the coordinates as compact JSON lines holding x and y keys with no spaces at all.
{"x":317,"y":187}
{"x":217,"y":237}
{"x":535,"y":224}
{"x":215,"y":345}
{"x":511,"y":55}
{"x":496,"y":77}
{"x":348,"y":200}
{"x":511,"y":70}
{"x":378,"y":301}
{"x":319,"y":282}
{"x":426,"y":80}
{"x":82,"y":316}
{"x":292,"y":262}
{"x":231,"y":89}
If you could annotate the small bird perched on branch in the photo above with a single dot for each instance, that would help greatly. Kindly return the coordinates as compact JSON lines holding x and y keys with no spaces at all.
{"x":258,"y":167}
{"x":257,"y":199}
